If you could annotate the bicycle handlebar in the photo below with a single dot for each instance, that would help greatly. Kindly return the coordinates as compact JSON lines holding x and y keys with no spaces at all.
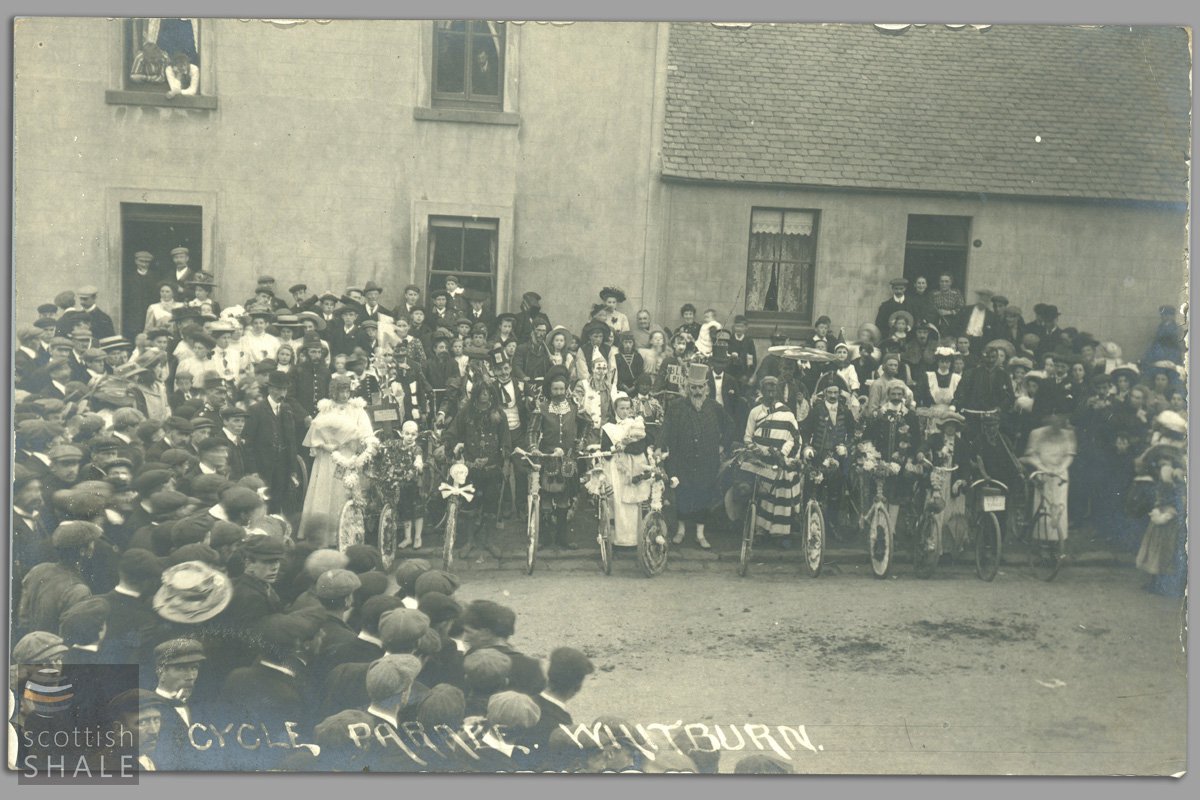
{"x":989,"y":481}
{"x":1042,"y":474}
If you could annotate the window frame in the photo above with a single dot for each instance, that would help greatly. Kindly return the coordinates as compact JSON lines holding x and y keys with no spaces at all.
{"x":492,"y":225}
{"x":466,"y":99}
{"x":120,"y":61}
{"x":760,"y":319}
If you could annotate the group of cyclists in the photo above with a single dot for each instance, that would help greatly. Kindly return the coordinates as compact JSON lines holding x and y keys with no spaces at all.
{"x":941,"y":435}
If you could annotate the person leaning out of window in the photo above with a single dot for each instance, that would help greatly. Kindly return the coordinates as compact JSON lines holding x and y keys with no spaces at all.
{"x":183,"y":77}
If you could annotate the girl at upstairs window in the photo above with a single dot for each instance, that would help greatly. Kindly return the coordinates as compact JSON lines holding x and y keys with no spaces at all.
{"x":183,"y":77}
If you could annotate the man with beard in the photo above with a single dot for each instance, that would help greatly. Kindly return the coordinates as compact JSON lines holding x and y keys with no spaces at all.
{"x":481,"y":438}
{"x":557,"y":428}
{"x":312,"y":375}
{"x":29,"y":547}
{"x":695,"y":432}
{"x":531,"y":361}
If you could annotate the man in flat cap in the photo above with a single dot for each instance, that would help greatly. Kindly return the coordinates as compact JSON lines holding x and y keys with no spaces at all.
{"x":334,"y":590}
{"x":303,"y":299}
{"x":100,"y":322}
{"x":897,"y":302}
{"x":389,"y":683}
{"x":51,"y":588}
{"x":138,"y":713}
{"x":441,"y":313}
{"x":254,"y":595}
{"x":412,"y":299}
{"x":488,"y":625}
{"x":181,"y":272}
{"x":141,"y":290}
{"x":30,"y":545}
{"x":233,"y":425}
{"x":177,"y":665}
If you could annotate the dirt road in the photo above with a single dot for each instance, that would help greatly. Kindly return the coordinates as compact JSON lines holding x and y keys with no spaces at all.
{"x":1085,"y":675}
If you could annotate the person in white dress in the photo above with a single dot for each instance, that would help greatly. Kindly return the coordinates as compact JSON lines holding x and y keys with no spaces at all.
{"x":342,"y":443}
{"x":161,"y":314}
{"x":626,"y":439}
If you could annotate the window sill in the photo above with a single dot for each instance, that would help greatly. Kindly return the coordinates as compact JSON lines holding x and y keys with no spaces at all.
{"x":794,"y":329}
{"x":123,"y":97}
{"x":467,"y":115}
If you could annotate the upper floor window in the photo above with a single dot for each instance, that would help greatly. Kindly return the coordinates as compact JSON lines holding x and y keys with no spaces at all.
{"x":162,"y":55}
{"x":780,"y":265}
{"x":468,"y":63}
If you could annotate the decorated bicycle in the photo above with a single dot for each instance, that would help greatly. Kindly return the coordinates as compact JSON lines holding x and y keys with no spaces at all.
{"x":654,"y":532}
{"x":395,"y":474}
{"x":888,"y":455}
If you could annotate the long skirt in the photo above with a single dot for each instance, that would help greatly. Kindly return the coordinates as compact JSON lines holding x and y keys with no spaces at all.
{"x":1053,"y":528}
{"x":326,"y":495}
{"x":951,"y":520}
{"x":779,"y":495}
{"x":1157,"y":554}
{"x":627,"y":497}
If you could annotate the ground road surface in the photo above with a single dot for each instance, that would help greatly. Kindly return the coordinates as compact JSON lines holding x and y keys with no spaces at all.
{"x":1084,"y":676}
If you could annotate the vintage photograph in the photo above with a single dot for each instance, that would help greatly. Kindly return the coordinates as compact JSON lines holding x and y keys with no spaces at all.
{"x":404,"y":396}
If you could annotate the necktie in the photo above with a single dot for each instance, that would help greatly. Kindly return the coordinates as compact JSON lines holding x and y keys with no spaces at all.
{"x":507,"y":396}
{"x":225,"y":360}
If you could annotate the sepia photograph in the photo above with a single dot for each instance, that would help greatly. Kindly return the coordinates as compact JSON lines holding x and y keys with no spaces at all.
{"x":672,"y":397}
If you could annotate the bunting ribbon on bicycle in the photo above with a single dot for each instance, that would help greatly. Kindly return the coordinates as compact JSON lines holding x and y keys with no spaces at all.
{"x":466,"y":492}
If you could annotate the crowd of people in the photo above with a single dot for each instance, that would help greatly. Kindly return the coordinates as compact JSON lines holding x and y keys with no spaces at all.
{"x":176,"y":486}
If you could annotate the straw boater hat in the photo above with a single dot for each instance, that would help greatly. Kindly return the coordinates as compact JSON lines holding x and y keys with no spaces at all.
{"x":192,"y":592}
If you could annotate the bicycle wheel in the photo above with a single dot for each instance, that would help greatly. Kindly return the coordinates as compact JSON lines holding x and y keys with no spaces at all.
{"x":604,"y":536}
{"x":880,"y":534}
{"x":533,"y":528}
{"x":987,"y":545}
{"x":925,"y":554}
{"x":387,"y":534}
{"x":1045,"y":555}
{"x":814,"y":537}
{"x":652,"y":543}
{"x":350,"y":526}
{"x":451,"y":529}
{"x":749,"y":524}
{"x":302,"y":475}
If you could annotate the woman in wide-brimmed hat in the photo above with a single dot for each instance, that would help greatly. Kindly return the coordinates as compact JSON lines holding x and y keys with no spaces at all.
{"x":191,"y":593}
{"x":946,"y":451}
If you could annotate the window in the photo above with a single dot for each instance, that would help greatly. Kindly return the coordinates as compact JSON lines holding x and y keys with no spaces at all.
{"x":780,"y":266}
{"x":155,"y":229}
{"x":464,"y":247}
{"x":150,"y":43}
{"x":936,"y":246}
{"x":468,"y":64}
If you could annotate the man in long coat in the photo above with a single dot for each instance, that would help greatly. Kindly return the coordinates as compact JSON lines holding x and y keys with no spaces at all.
{"x":695,"y":431}
{"x":272,"y":437}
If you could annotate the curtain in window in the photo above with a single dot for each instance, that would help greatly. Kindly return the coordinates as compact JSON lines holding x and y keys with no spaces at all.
{"x":172,"y":35}
{"x":765,"y":226}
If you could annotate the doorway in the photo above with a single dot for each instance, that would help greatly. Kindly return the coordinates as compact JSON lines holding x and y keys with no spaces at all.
{"x":937,"y":245}
{"x":157,"y":229}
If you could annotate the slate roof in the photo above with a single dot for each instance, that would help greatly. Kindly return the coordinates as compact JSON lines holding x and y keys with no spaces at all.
{"x":932,"y":109}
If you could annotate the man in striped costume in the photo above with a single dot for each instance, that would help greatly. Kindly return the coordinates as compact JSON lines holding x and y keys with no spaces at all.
{"x":772,"y":426}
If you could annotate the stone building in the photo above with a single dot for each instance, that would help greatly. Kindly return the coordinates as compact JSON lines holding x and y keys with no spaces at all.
{"x":782,"y":170}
